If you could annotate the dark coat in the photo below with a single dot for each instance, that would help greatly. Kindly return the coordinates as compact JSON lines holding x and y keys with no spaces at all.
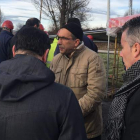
{"x":33,"y":106}
{"x":132,"y":118}
{"x":5,"y":37}
{"x":87,"y":42}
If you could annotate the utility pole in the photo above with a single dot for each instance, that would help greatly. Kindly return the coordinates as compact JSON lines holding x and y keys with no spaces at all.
{"x":130,"y":7}
{"x":40,"y":10}
{"x":107,"y":71}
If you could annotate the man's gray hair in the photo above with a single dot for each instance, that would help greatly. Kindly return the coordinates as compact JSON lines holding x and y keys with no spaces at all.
{"x":132,"y":28}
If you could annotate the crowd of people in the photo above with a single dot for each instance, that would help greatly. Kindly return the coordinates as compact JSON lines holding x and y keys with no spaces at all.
{"x":54,"y":91}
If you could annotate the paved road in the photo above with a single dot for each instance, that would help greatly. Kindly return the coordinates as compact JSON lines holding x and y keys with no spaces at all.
{"x":105,"y":51}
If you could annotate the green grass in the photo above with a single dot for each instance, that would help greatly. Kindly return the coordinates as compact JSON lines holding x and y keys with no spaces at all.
{"x":115,"y":70}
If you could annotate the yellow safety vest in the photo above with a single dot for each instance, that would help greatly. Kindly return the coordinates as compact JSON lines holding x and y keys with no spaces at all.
{"x":51,"y":52}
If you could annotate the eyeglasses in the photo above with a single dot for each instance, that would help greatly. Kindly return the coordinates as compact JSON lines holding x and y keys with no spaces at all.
{"x":63,"y":38}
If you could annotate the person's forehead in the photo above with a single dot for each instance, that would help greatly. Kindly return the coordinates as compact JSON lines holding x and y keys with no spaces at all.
{"x":64,"y":32}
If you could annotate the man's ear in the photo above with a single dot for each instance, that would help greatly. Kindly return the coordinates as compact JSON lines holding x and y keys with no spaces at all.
{"x":44,"y":57}
{"x":13,"y":51}
{"x":77,"y":42}
{"x":136,"y":50}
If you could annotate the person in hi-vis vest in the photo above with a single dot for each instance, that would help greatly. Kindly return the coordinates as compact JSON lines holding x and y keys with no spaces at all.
{"x":51,"y":52}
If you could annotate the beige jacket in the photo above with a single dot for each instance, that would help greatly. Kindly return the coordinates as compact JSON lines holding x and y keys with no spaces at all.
{"x":85,"y":74}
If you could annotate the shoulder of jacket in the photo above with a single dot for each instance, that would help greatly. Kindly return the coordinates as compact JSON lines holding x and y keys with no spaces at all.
{"x":90,"y":53}
{"x":57,"y":56}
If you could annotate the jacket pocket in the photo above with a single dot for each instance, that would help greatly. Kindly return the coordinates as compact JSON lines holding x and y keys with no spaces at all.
{"x":78,"y":77}
{"x":57,"y":73}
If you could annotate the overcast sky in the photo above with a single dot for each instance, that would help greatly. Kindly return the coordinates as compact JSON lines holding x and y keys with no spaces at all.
{"x":18,"y":11}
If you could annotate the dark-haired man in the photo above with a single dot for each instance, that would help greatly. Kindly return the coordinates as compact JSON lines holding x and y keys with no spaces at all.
{"x":124,"y":114}
{"x":32,"y":105}
{"x":81,"y":69}
{"x":31,"y":22}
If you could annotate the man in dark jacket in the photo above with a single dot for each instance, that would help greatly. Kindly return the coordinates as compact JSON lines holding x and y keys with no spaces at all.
{"x":32,"y":105}
{"x":124,"y":113}
{"x":87,"y":42}
{"x":5,"y":36}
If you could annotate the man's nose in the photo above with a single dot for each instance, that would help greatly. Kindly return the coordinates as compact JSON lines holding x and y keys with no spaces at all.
{"x":59,"y":41}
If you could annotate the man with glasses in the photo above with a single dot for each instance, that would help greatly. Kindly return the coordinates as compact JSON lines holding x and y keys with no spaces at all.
{"x":82,"y":70}
{"x":87,"y":42}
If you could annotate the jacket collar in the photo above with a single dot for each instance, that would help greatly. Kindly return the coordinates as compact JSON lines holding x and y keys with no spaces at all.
{"x":78,"y":50}
{"x":132,"y":73}
{"x":131,"y":79}
{"x":6,"y":32}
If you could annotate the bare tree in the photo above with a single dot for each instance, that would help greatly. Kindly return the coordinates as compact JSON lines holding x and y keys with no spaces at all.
{"x":1,"y":17}
{"x":134,"y":11}
{"x":58,"y":11}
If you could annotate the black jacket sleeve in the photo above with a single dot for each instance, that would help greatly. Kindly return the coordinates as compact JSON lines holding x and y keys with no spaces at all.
{"x":132,"y":118}
{"x":73,"y":124}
